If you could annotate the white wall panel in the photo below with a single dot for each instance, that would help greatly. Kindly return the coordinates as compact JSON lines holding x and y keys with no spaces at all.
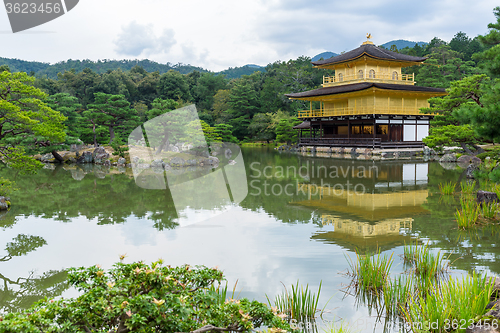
{"x":409,"y":133}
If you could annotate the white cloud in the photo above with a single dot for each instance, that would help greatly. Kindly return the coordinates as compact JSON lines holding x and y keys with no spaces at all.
{"x":136,"y":39}
{"x":218,"y":34}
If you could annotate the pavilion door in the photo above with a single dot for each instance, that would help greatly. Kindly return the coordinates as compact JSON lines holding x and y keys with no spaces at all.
{"x":395,"y":132}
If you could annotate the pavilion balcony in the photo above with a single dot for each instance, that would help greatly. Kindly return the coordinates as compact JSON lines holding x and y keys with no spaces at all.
{"x":393,"y":110}
{"x":382,"y":77}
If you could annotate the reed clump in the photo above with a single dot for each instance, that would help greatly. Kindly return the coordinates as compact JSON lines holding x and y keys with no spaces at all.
{"x":469,"y":213}
{"x":396,"y":293}
{"x":457,"y":300}
{"x":371,"y":272}
{"x":447,"y":188}
{"x":472,"y":213}
{"x":424,"y":296}
{"x":425,"y":263}
{"x":468,"y":187}
{"x":299,"y":303}
{"x":488,"y":210}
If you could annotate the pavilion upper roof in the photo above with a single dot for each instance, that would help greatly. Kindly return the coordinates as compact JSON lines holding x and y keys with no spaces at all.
{"x":371,"y":51}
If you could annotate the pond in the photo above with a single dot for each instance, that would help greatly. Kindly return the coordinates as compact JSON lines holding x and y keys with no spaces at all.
{"x":301,"y":220}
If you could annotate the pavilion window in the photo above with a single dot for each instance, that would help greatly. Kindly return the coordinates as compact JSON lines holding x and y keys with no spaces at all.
{"x":367,"y":129}
{"x":342,"y":130}
{"x":372,"y":74}
{"x":394,"y":75}
{"x":341,"y":77}
{"x":360,"y":74}
{"x":382,"y":129}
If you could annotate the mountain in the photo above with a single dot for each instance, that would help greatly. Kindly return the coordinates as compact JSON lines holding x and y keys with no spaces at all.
{"x":254,"y":66}
{"x":324,"y":55}
{"x":237,"y":72}
{"x":102,"y":66}
{"x":401,"y":44}
{"x":17,"y":65}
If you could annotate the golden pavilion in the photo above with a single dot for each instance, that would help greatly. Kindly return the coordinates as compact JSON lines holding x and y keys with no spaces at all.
{"x":368,"y":102}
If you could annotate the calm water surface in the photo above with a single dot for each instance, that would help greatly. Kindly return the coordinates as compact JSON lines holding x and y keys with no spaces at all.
{"x":302,"y":218}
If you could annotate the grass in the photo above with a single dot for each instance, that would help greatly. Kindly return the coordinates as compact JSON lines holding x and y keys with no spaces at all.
{"x":455,"y":300}
{"x":220,"y":292}
{"x":397,"y":293}
{"x":468,"y":216}
{"x":425,"y":263}
{"x":447,"y":188}
{"x":371,"y":272}
{"x":467,"y":187}
{"x":299,"y":303}
{"x":425,"y":297}
{"x":488,"y":210}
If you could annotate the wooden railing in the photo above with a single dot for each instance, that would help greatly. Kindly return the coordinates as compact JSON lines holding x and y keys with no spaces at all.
{"x":359,"y":111}
{"x":342,"y":142}
{"x":372,"y":77}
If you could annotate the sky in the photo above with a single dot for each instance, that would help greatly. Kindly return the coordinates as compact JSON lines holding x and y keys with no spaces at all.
{"x":219,"y":34}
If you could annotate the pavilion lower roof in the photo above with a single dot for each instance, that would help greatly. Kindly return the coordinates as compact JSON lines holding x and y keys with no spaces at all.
{"x":363,"y":86}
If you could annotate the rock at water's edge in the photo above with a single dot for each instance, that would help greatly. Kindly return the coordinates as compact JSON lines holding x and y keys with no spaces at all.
{"x":448,"y":158}
{"x":486,"y":197}
{"x":4,"y":203}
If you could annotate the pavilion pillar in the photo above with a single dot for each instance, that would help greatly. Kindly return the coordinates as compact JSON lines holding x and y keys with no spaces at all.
{"x":374,"y":128}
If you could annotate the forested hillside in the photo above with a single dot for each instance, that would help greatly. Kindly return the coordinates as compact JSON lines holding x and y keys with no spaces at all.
{"x":251,"y":107}
{"x":41,"y":69}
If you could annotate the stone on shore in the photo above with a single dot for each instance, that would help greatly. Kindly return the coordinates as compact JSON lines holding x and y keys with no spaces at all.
{"x":121,"y":161}
{"x":487,"y":197}
{"x":471,"y":169}
{"x":4,"y":203}
{"x":448,"y":158}
{"x":86,"y":157}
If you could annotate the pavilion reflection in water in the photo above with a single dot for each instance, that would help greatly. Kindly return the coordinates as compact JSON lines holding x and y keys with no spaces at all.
{"x":380,"y":217}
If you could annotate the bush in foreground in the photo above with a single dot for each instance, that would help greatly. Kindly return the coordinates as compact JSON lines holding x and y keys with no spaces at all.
{"x":137,"y":297}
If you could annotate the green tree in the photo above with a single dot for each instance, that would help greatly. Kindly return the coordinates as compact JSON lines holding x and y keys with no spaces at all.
{"x":205,"y":89}
{"x":285,"y":131}
{"x":224,"y":132}
{"x":163,"y":129}
{"x":71,"y":109}
{"x":147,"y":86}
{"x":81,"y":85}
{"x":452,"y":135}
{"x":483,"y":113}
{"x":292,"y":76}
{"x":469,"y":89}
{"x":221,"y":103}
{"x":112,"y":111}
{"x":119,"y":147}
{"x":23,"y":114}
{"x":244,"y":103}
{"x":201,"y":134}
{"x":260,"y":127}
{"x":174,"y":85}
{"x":490,"y":58}
{"x":451,"y":125}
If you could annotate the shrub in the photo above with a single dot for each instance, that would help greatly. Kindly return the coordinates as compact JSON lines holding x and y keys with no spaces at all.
{"x":138,"y":297}
{"x":6,"y":187}
{"x":119,"y":147}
